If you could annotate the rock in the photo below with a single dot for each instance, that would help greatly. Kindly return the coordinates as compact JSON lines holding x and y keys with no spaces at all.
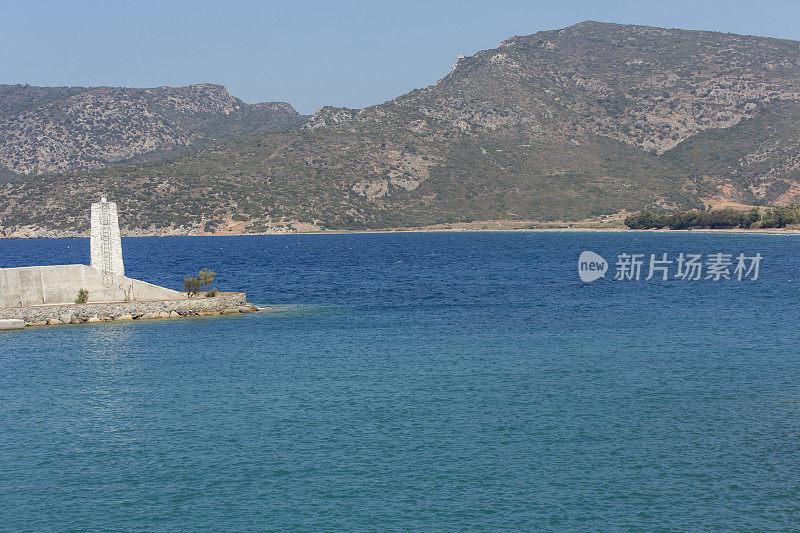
{"x":174,"y":314}
{"x":245,"y":309}
{"x":65,"y":318}
{"x":150,"y":316}
{"x":76,"y":320}
{"x":163,"y":314}
{"x":230,"y":311}
{"x":133,"y":121}
{"x":93,"y":319}
{"x":124,"y":317}
{"x":54,"y":322}
{"x":37,"y":323}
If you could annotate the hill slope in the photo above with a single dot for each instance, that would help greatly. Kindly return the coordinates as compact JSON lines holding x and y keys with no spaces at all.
{"x":587,"y":120}
{"x":56,"y":129}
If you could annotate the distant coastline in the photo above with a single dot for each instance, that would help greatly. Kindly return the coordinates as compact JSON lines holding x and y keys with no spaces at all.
{"x":481,"y":226}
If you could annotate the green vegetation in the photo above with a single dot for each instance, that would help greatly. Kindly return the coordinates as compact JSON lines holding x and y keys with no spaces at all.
{"x":777,"y":217}
{"x":192,"y":286}
{"x":532,"y":130}
{"x":206,"y":278}
{"x":174,"y":121}
{"x":780,"y":217}
{"x":83,"y":297}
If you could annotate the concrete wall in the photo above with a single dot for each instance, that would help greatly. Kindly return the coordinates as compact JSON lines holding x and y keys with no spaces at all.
{"x":40,"y":285}
{"x":66,"y":314}
{"x":105,"y":245}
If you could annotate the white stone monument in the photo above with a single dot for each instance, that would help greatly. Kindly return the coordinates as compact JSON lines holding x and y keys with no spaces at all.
{"x":106,"y":244}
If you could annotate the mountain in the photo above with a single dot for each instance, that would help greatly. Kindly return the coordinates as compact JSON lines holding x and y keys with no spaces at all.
{"x":580,"y":122}
{"x":57,"y":129}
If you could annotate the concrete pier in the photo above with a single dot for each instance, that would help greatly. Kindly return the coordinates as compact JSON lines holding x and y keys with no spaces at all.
{"x":225,"y":303}
{"x":44,"y":285}
{"x":49,"y":295}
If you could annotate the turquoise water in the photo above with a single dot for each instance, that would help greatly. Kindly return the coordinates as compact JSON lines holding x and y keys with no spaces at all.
{"x":451,"y":381}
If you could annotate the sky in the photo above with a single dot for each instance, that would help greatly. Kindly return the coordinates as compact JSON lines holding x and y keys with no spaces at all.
{"x":313,"y":53}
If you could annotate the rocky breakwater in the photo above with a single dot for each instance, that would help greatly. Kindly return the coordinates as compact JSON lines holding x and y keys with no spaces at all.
{"x":225,"y":303}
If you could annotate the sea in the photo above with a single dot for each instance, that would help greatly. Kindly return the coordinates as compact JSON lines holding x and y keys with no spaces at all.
{"x":450,"y":381}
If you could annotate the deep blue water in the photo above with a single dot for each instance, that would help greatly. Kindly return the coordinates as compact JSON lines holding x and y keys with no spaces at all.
{"x":450,"y":381}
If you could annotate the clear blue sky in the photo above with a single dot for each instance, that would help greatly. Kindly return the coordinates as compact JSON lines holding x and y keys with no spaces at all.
{"x":313,"y":53}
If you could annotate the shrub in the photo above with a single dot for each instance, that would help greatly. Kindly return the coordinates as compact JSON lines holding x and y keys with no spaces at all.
{"x":211,"y":293}
{"x":83,"y":297}
{"x":646,"y":220}
{"x":752,"y":217}
{"x":717,"y":219}
{"x":780,"y":217}
{"x":206,"y":278}
{"x":684,"y":219}
{"x":192,"y":285}
{"x":722,"y":218}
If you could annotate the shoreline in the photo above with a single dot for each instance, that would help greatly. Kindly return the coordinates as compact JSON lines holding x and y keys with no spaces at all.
{"x":63,"y":313}
{"x":465,"y":228}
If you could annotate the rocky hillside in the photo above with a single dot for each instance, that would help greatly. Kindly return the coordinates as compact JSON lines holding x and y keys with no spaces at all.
{"x":57,"y":129}
{"x":565,"y":124}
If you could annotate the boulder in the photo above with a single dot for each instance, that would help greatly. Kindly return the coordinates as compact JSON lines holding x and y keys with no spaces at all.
{"x":174,"y":314}
{"x":54,"y":322}
{"x":93,"y":319}
{"x":65,"y":318}
{"x":124,"y":317}
{"x":150,"y":316}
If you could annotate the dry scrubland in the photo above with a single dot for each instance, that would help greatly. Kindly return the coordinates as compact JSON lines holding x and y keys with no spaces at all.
{"x":566,"y":125}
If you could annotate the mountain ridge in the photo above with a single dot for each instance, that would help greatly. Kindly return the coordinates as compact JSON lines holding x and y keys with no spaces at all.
{"x":584,"y":121}
{"x":58,"y":129}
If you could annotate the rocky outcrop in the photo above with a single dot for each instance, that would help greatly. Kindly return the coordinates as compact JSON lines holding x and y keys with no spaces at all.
{"x":90,"y":128}
{"x":42,"y":315}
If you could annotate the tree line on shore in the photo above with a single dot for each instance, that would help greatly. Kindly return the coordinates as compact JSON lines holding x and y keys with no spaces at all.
{"x":777,"y":217}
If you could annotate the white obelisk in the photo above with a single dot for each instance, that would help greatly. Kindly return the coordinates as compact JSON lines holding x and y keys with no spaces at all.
{"x":105,"y":242}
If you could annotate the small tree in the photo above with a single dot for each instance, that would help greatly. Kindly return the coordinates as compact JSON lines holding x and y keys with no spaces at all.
{"x":83,"y":297}
{"x":206,"y":277}
{"x":192,"y":286}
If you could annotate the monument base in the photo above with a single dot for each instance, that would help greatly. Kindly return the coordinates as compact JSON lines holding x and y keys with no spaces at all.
{"x":43,"y":285}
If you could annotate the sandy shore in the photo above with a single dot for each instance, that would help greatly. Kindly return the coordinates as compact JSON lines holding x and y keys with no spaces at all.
{"x":551,"y":227}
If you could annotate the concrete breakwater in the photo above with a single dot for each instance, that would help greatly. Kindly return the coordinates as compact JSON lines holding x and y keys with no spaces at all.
{"x":44,"y":295}
{"x":55,"y":314}
{"x":59,"y":284}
